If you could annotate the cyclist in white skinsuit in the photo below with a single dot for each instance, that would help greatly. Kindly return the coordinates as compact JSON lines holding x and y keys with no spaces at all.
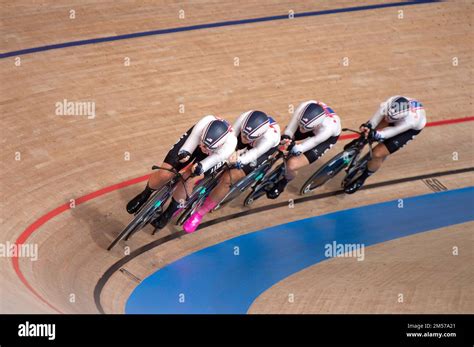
{"x":205,"y":145}
{"x":315,"y":128}
{"x":396,"y":122}
{"x":258,"y":137}
{"x":215,"y":146}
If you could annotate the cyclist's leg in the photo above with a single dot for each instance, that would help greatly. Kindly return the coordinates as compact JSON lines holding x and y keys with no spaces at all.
{"x":295,"y":163}
{"x":176,"y":201}
{"x":228,"y":178}
{"x":180,"y":193}
{"x":156,"y":181}
{"x":311,"y":156}
{"x":160,"y":177}
{"x":217,"y":194}
{"x":380,"y":153}
{"x":291,"y":167}
{"x":388,"y":147}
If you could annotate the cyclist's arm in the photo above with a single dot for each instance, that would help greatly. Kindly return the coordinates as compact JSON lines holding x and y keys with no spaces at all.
{"x":237,"y":126}
{"x":392,"y":131}
{"x":313,"y":141}
{"x":220,"y":155}
{"x":378,"y":116}
{"x":293,"y":124}
{"x":268,"y":141}
{"x":195,"y":137}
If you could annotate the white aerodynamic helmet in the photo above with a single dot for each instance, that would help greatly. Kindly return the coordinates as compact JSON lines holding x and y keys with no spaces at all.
{"x":255,"y":125}
{"x":215,"y":134}
{"x":312,"y":116}
{"x":397,"y":108}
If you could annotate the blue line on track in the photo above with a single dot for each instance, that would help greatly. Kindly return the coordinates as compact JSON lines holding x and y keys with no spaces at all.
{"x":214,"y":280}
{"x":207,"y":26}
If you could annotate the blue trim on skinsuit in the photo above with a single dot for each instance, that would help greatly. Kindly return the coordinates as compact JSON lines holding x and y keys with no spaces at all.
{"x":214,"y":280}
{"x":206,"y":26}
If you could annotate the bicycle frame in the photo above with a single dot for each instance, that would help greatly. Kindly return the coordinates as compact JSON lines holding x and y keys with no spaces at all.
{"x":244,"y":183}
{"x":200,"y":192}
{"x":357,"y":162}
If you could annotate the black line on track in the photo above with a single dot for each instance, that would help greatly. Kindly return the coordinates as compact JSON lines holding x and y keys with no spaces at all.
{"x":116,"y":266}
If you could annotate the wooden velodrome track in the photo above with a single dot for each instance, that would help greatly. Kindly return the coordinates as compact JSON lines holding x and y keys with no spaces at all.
{"x":281,"y":62}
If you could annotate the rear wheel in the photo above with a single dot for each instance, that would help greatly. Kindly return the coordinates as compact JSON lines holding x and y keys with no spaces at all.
{"x":254,"y":195}
{"x":261,"y":189}
{"x":326,"y":172}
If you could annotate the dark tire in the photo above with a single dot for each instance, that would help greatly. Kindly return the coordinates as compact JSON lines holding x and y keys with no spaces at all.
{"x":139,"y":226}
{"x":324,"y":173}
{"x":141,"y":218}
{"x":129,"y":228}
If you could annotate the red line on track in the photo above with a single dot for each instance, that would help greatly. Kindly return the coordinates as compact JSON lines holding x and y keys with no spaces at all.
{"x":51,"y":214}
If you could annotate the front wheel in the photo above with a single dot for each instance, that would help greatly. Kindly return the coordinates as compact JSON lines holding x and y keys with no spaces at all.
{"x":136,"y":224}
{"x":152,"y":208}
{"x":326,"y":172}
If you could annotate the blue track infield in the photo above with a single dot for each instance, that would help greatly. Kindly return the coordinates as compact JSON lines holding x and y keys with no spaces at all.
{"x":214,"y":280}
{"x":208,"y":26}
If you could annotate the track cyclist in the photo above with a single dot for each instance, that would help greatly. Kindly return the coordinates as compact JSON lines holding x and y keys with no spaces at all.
{"x":207,"y":144}
{"x":312,"y":131}
{"x":396,"y":122}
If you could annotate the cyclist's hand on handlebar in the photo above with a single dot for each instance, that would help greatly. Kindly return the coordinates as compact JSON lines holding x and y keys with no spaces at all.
{"x":374,"y":135}
{"x":286,"y":144}
{"x":233,"y":158}
{"x":365,"y":129}
{"x":183,"y":156}
{"x":295,"y":150}
{"x":285,"y":140}
{"x":235,"y":165}
{"x":197,"y":169}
